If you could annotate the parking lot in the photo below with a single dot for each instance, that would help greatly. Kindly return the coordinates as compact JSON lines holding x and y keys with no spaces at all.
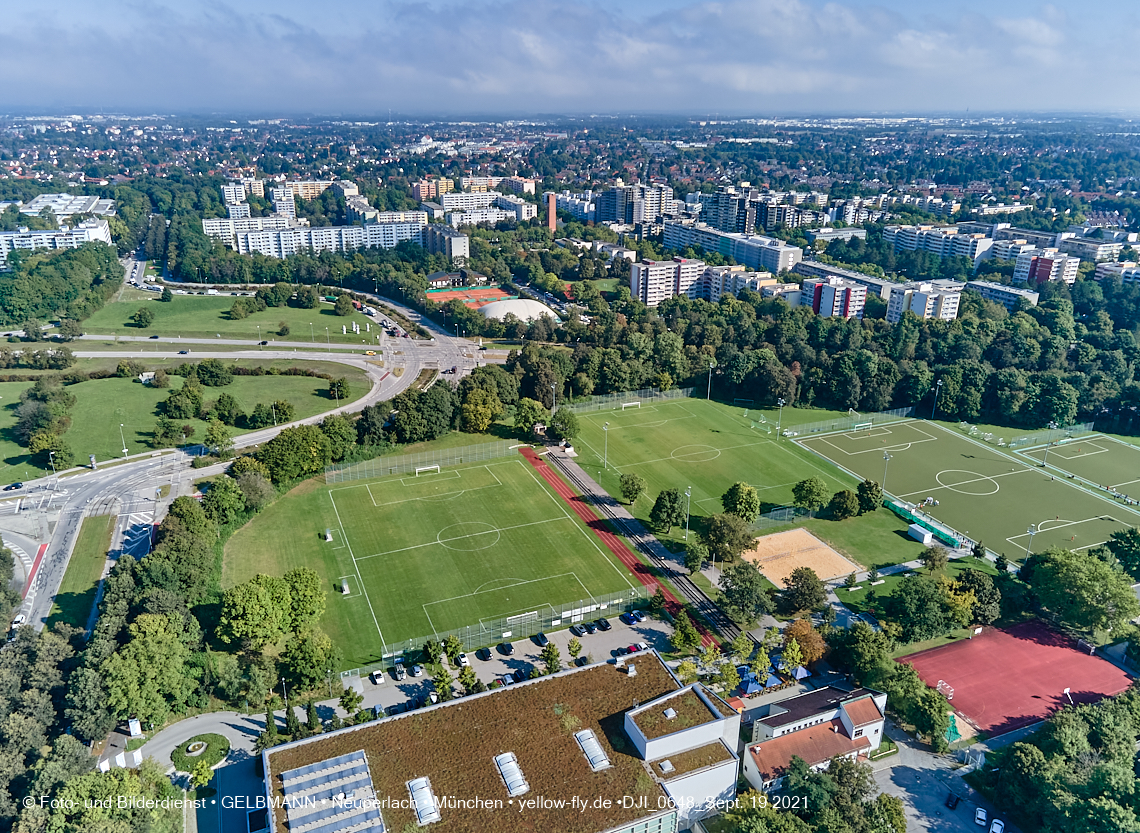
{"x":597,"y":647}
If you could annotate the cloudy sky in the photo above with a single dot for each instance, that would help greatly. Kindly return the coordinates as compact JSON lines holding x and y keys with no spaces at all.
{"x":750,"y":57}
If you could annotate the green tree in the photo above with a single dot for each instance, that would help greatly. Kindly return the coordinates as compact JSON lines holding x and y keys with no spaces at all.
{"x":223,"y":500}
{"x":564,"y":425}
{"x":167,"y":296}
{"x":350,"y":698}
{"x":918,"y":606}
{"x":306,"y":598}
{"x":295,"y":452}
{"x":870,"y":495}
{"x":202,"y":774}
{"x":143,"y":317}
{"x":687,"y":671}
{"x":844,"y":504}
{"x":657,"y":602}
{"x":283,"y":328}
{"x":810,"y":494}
{"x":254,"y":612}
{"x":341,"y":434}
{"x":686,"y":639}
{"x":741,"y":647}
{"x":744,"y":594}
{"x":1125,"y":545}
{"x":728,"y":677}
{"x":793,"y":655}
{"x":1085,"y":593}
{"x":343,"y":305}
{"x":668,"y":510}
{"x":987,"y":597}
{"x":219,"y":440}
{"x":443,"y":681}
{"x":338,"y":390}
{"x":468,"y":680}
{"x":934,"y":559}
{"x":147,"y":676}
{"x":803,"y":590}
{"x":574,"y":647}
{"x":528,"y":413}
{"x":214,"y":373}
{"x":453,"y":648}
{"x":312,"y":719}
{"x":696,"y":554}
{"x":741,"y":500}
{"x":812,"y":646}
{"x":551,"y":658}
{"x":479,"y":410}
{"x":310,"y":657}
{"x":633,"y":486}
{"x":256,"y":490}
{"x":292,"y":723}
{"x":727,"y":536}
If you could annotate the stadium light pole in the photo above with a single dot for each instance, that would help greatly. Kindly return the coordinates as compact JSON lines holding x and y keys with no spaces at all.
{"x":780,"y":420}
{"x":606,"y":451}
{"x":553,"y":399}
{"x":311,"y":336}
{"x":708,"y":393}
{"x":1045,"y":459}
{"x":937,"y":391}
{"x":688,"y":498}
{"x":886,"y":462}
{"x":328,"y":341}
{"x":121,"y":437}
{"x":1031,"y":531}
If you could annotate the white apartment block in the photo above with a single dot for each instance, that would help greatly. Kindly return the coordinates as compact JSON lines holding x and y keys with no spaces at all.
{"x":790,"y":292}
{"x":943,"y":241}
{"x":654,"y":281}
{"x":1007,"y":296}
{"x":479,"y":184}
{"x":441,"y":239}
{"x":930,"y":299}
{"x":283,"y":204}
{"x":65,"y":205}
{"x":1037,"y":266}
{"x":475,"y":216}
{"x":1124,"y":269}
{"x":1010,"y":249}
{"x":728,"y":280}
{"x":238,"y":210}
{"x":253,"y":186}
{"x":834,"y":297}
{"x":233,"y":193}
{"x":581,"y":206}
{"x":347,"y":188}
{"x":465,"y":209}
{"x":1002,"y":208}
{"x":288,"y":241}
{"x":308,"y":189}
{"x":752,"y":250}
{"x":88,"y":231}
{"x":1091,"y":248}
{"x":226,"y":229}
{"x":519,"y":185}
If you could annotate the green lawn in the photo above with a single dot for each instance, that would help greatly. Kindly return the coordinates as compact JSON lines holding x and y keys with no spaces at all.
{"x":984,"y":492}
{"x":207,"y":316}
{"x":709,"y":446}
{"x":429,"y":555}
{"x":857,"y":599}
{"x":1099,"y":459}
{"x":76,"y":596}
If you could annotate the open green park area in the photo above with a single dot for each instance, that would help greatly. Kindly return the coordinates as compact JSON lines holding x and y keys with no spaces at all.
{"x":76,"y":596}
{"x":204,"y":317}
{"x":471,"y":547}
{"x":708,"y":446}
{"x":102,"y":405}
{"x":983,"y":491}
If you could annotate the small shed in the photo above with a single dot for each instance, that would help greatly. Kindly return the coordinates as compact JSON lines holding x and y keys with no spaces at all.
{"x":921,"y":534}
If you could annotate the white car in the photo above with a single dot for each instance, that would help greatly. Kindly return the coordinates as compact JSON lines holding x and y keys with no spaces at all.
{"x":980,"y":817}
{"x":998,"y":826}
{"x":417,"y":670}
{"x":19,"y":620}
{"x":463,"y":661}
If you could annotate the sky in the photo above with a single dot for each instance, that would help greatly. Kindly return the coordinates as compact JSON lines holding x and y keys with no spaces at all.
{"x":528,"y":57}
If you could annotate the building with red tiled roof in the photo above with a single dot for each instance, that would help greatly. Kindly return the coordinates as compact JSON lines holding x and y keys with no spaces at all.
{"x":817,"y":726}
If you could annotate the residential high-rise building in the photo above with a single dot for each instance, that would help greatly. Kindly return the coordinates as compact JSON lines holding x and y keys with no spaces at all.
{"x":283,"y":203}
{"x":237,"y":211}
{"x":930,"y":299}
{"x":431,"y":189}
{"x":308,"y":189}
{"x":654,"y":281}
{"x":1008,"y":296}
{"x":752,"y":250}
{"x":1038,"y":266}
{"x":88,"y":231}
{"x":635,"y":203}
{"x":233,"y":193}
{"x":834,"y":297}
{"x":441,"y":239}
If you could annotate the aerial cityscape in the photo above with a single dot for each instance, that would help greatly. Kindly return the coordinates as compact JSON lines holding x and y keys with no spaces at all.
{"x":521,"y":436}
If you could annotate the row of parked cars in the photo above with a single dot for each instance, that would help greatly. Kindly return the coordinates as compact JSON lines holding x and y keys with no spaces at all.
{"x":980,"y":816}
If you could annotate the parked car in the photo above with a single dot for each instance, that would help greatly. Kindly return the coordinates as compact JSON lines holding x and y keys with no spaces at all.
{"x":398,"y":708}
{"x":541,"y":639}
{"x":506,"y":649}
{"x":997,"y":826}
{"x":463,"y":661}
{"x":582,"y":661}
{"x":590,"y":627}
{"x":980,"y":817}
{"x":398,"y":672}
{"x":637,"y":647}
{"x":483,"y":654}
{"x":577,"y":630}
{"x":497,"y":683}
{"x":603,"y":624}
{"x":19,"y":620}
{"x":952,"y":801}
{"x":628,"y":618}
{"x":518,"y":676}
{"x":417,"y":670}
{"x":432,"y":698}
{"x":638,"y":615}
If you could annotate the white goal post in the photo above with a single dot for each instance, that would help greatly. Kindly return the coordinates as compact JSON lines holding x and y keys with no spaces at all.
{"x":426,"y":470}
{"x":863,"y":426}
{"x":625,"y":405}
{"x":945,"y":689}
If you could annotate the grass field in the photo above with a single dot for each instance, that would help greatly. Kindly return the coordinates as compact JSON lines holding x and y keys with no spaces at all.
{"x":709,"y":446}
{"x":103,"y":404}
{"x":1101,"y":460}
{"x":76,"y":596}
{"x":429,"y":554}
{"x":207,"y":316}
{"x":964,"y":476}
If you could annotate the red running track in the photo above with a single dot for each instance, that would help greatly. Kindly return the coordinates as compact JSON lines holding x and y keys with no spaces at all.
{"x":613,"y":543}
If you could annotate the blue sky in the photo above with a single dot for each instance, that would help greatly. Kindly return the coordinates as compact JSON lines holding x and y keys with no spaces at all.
{"x":751,"y":57}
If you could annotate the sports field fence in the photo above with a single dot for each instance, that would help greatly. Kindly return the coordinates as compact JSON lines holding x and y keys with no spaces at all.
{"x":846,"y":423}
{"x":611,"y":401}
{"x":488,"y":632}
{"x":409,"y":463}
{"x":780,"y":516}
{"x":1052,"y":435}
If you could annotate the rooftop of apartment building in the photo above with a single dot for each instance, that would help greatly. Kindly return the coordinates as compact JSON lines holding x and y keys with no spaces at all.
{"x":540,"y":723}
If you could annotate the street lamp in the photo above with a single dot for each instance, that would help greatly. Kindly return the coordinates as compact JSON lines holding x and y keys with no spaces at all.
{"x":121,"y":437}
{"x":1052,"y":427}
{"x":311,"y":336}
{"x":457,"y":330}
{"x":273,"y":407}
{"x":285,"y":694}
{"x":606,"y":452}
{"x":259,"y":336}
{"x":780,"y":419}
{"x":553,"y":398}
{"x":327,"y":341}
{"x":51,"y":457}
{"x":937,"y":390}
{"x":886,"y":460}
{"x":688,"y":498}
{"x":708,"y":393}
{"x":1031,"y":532}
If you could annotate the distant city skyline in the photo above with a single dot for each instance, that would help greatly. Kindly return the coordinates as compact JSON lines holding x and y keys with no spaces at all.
{"x":520,"y":57}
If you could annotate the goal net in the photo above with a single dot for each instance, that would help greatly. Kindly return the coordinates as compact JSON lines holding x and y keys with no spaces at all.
{"x":426,"y":470}
{"x":862,"y":426}
{"x":945,"y":689}
{"x":625,"y":405}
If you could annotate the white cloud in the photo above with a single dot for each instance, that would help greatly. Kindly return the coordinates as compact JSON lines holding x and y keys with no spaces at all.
{"x":751,"y":56}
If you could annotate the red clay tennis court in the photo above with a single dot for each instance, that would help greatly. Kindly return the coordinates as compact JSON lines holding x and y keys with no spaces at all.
{"x":1006,"y":679}
{"x":473,"y":296}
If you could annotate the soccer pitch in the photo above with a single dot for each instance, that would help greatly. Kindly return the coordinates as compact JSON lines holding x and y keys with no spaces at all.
{"x":428,"y":555}
{"x":984,"y":492}
{"x":1105,"y":461}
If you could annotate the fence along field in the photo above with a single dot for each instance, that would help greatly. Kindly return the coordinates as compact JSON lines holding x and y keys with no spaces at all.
{"x":984,"y":492}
